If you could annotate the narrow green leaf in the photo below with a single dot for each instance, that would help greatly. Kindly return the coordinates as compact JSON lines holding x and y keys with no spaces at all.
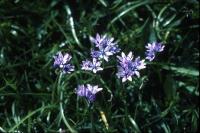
{"x":182,"y":70}
{"x":135,"y":126}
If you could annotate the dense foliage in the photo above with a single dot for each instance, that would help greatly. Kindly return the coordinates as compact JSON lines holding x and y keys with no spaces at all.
{"x":34,"y":98}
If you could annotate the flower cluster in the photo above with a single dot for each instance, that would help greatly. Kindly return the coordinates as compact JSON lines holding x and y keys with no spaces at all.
{"x":88,"y":91}
{"x":152,"y":49}
{"x":128,"y":68}
{"x":62,"y":62}
{"x":105,"y":47}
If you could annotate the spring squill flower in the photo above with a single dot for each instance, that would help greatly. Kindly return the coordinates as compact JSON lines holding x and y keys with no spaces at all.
{"x":63,"y":62}
{"x":152,"y":49}
{"x":127,"y":68}
{"x":105,"y":47}
{"x":88,"y":91}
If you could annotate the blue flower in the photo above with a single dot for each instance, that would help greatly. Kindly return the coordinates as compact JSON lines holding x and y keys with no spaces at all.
{"x":93,"y":66}
{"x":152,"y":49}
{"x":62,"y":62}
{"x":88,"y":91}
{"x":106,"y":47}
{"x":128,"y":68}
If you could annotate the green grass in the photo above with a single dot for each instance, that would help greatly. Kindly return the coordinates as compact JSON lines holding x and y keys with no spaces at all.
{"x":34,"y":98}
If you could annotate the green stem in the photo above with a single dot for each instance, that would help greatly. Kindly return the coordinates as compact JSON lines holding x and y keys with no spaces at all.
{"x":91,"y":119}
{"x":123,"y":93}
{"x":59,"y":87}
{"x":61,"y":105}
{"x":63,"y":117}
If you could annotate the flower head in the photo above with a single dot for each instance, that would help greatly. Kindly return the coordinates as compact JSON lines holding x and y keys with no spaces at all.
{"x":152,"y":49}
{"x":88,"y":91}
{"x":128,"y":68}
{"x":105,"y":45}
{"x":94,"y":66}
{"x":62,"y":61}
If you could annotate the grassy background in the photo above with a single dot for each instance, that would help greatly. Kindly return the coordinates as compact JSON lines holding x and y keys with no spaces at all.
{"x":163,"y":100}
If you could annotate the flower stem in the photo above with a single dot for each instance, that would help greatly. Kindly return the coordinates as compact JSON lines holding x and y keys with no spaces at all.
{"x":61,"y":105}
{"x":91,"y":119}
